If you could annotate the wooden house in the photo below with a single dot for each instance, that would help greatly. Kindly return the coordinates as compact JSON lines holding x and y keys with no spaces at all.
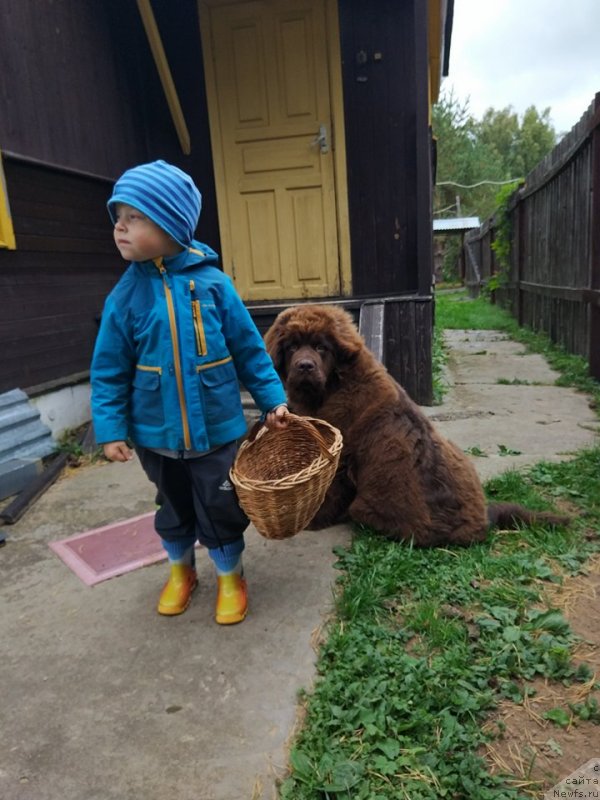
{"x":305,"y":123}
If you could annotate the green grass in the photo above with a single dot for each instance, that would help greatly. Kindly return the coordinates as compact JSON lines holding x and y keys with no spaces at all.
{"x":426,"y":643}
{"x":457,"y":310}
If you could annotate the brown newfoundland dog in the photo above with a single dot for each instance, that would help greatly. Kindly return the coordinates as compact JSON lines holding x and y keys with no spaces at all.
{"x":397,"y":474}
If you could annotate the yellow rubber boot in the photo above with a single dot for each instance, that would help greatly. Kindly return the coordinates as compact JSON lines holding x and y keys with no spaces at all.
{"x":232,"y":599}
{"x":177,"y":591}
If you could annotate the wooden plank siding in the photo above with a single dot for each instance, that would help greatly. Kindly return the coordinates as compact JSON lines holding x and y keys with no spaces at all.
{"x":54,"y":284}
{"x":408,"y":325}
{"x":64,"y":95}
{"x":389,"y":164}
{"x":553,"y":280}
{"x":79,"y":89}
{"x":381,"y":89}
{"x":594,"y":283}
{"x":80,"y":102}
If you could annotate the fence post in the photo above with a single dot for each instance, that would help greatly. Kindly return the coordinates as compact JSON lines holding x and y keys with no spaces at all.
{"x":594,"y":343}
{"x":521,"y":217}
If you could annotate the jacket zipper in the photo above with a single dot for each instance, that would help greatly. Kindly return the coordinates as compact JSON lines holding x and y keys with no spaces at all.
{"x":198,"y":325}
{"x":174,"y":338}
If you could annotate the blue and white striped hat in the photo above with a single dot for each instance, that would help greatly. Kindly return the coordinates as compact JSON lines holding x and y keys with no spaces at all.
{"x":165,"y":194}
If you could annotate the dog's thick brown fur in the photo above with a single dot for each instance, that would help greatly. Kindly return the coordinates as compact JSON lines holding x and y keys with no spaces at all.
{"x":397,"y":474}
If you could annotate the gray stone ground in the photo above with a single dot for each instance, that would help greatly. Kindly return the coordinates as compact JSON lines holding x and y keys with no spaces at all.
{"x":102,"y":699}
{"x":529,"y":414}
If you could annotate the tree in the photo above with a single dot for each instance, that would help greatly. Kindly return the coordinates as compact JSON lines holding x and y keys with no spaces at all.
{"x":498,"y":148}
{"x":499,"y":131}
{"x":463,"y":159}
{"x":536,"y":138}
{"x":475,"y":158}
{"x":521,"y":145}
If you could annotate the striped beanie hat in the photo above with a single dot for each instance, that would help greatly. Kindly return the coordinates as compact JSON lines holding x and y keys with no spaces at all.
{"x":165,"y":194}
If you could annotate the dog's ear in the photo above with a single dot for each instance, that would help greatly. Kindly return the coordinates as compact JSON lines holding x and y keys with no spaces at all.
{"x":274,"y":339}
{"x":346,"y":352}
{"x":347,"y":342}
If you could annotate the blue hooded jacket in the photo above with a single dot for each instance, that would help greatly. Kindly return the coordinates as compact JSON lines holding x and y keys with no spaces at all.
{"x":174,"y":340}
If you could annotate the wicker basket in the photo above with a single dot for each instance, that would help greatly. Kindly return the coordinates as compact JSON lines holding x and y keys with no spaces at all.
{"x":281,"y":476}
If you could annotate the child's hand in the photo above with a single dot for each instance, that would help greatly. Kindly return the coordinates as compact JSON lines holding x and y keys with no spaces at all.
{"x":277,"y":418}
{"x":117,"y":451}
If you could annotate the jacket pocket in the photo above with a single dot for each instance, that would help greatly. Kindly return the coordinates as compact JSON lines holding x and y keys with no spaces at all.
{"x":146,"y":398}
{"x":221,"y":391}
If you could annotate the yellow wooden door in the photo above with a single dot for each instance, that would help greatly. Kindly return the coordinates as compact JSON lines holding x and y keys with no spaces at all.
{"x":268,"y":91}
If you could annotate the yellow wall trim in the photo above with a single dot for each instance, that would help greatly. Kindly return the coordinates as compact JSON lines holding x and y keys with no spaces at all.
{"x":7,"y":234}
{"x":436,"y":20}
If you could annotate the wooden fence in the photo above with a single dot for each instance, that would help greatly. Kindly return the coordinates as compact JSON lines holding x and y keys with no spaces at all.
{"x":552,"y":283}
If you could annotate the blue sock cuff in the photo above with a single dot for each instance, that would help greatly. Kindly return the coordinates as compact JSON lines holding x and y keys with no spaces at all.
{"x":180,"y":549}
{"x":226,"y":558}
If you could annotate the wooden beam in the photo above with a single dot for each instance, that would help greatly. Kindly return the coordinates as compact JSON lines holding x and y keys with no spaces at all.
{"x":570,"y":293}
{"x":164,"y":72}
{"x":422,"y":151}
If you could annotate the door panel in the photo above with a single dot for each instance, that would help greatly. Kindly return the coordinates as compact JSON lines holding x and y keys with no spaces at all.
{"x":277,"y":196}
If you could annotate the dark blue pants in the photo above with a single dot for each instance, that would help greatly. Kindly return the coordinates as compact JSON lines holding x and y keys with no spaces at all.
{"x":197,"y":499}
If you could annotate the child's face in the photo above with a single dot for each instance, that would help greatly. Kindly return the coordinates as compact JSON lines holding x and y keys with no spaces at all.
{"x":138,"y":238}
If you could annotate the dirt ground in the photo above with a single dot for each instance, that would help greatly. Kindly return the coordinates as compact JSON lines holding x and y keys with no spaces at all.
{"x":536,"y":750}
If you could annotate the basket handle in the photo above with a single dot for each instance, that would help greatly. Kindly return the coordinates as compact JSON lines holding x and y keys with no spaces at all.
{"x":305,"y":422}
{"x":254,"y":430}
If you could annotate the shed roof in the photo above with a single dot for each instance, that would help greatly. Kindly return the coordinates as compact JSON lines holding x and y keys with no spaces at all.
{"x":455,"y":224}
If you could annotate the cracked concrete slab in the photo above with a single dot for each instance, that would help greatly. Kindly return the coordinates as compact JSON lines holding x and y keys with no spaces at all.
{"x":103,"y":699}
{"x":514,"y":423}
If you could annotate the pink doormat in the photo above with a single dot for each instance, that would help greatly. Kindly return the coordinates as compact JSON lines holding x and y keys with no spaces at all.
{"x":103,"y":553}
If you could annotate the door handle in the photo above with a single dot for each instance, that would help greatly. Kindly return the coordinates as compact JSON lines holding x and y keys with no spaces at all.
{"x":321,"y":139}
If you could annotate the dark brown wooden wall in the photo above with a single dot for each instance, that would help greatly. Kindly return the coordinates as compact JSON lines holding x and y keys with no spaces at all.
{"x":53,"y":286}
{"x":384,"y":55}
{"x":79,"y":89}
{"x":64,"y":98}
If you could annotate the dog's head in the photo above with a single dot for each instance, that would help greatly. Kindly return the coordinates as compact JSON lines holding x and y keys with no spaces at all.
{"x":311,"y":347}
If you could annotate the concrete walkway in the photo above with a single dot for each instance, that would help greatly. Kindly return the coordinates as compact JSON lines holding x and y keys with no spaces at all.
{"x":102,"y":699}
{"x":503,"y":402}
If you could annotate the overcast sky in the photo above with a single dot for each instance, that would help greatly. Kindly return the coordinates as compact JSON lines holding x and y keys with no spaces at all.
{"x":526,"y":52}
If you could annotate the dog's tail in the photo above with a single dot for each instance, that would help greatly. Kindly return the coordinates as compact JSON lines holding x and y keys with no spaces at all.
{"x":509,"y":515}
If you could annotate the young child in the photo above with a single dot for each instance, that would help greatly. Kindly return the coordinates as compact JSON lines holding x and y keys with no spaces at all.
{"x":174,"y":339}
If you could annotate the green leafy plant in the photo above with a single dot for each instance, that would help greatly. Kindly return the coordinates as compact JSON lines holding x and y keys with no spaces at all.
{"x":513,"y":382}
{"x":504,"y":450}
{"x":475,"y":450}
{"x":502,"y":242}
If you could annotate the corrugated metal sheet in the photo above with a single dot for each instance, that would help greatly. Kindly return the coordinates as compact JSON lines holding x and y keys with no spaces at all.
{"x":455,"y":224}
{"x":22,"y":433}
